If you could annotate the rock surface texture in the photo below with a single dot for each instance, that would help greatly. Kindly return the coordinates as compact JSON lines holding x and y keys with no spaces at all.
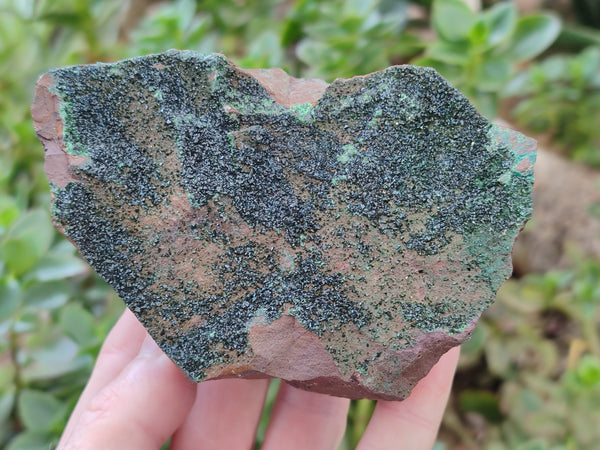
{"x":341,"y":237}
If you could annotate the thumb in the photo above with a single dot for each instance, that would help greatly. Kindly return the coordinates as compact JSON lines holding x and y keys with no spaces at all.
{"x":139,"y":409}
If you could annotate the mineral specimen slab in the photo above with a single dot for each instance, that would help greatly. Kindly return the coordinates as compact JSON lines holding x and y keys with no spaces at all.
{"x":340,"y":236}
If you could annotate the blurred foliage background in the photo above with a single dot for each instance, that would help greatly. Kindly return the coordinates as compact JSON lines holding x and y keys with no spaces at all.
{"x":530,"y":376}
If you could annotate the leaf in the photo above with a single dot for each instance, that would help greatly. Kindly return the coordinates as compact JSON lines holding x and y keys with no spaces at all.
{"x":486,"y":103}
{"x":552,"y":69}
{"x":51,"y":370}
{"x":7,"y":399}
{"x":25,"y":322}
{"x":18,"y":256}
{"x":452,"y":19}
{"x":36,"y":226}
{"x":6,"y":167}
{"x":186,"y":10}
{"x":28,"y":240}
{"x":7,"y":376}
{"x":72,"y":19}
{"x":474,"y":346}
{"x":46,"y":296}
{"x":514,"y":295}
{"x":455,"y":53}
{"x":9,"y":298}
{"x":500,"y":20}
{"x":31,"y":441}
{"x":9,"y":211}
{"x":588,"y":371}
{"x":292,"y":32}
{"x":479,"y":34}
{"x":56,"y":267}
{"x":449,"y":71}
{"x":40,"y":411}
{"x":78,"y":324}
{"x":533,"y":35}
{"x":61,"y":350}
{"x":590,"y":63}
{"x":394,"y":11}
{"x":497,"y":357}
{"x":493,"y":75}
{"x":264,"y":51}
{"x":482,"y":402}
{"x":63,"y":247}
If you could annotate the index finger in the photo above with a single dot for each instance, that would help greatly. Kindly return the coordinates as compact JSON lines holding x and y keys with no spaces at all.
{"x":120,"y":347}
{"x":414,"y":422}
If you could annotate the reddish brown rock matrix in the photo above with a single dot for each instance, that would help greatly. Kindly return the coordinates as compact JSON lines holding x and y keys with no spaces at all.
{"x":341,"y":237}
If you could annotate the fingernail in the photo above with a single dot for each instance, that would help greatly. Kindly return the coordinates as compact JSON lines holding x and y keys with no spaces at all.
{"x":149,"y":348}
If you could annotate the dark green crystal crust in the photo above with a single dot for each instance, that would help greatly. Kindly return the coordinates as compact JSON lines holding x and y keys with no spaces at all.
{"x":384,"y":211}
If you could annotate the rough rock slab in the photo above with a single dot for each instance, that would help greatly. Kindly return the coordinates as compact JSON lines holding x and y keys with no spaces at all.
{"x":341,"y":237}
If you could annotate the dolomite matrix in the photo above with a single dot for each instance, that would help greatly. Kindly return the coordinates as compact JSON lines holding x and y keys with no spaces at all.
{"x":340,"y":236}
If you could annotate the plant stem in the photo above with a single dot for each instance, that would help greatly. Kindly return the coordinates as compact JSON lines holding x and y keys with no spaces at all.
{"x":14,"y":348}
{"x":17,"y":377}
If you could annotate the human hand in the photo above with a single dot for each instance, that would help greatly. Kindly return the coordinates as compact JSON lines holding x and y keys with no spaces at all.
{"x":137,"y":398}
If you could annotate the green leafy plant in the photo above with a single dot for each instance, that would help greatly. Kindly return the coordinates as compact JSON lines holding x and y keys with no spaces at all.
{"x":561,"y":96}
{"x":308,"y":38}
{"x":539,"y":343}
{"x":249,"y":35}
{"x":47,"y":328}
{"x":53,"y":313}
{"x":529,"y":376}
{"x":480,"y":52}
{"x":343,"y":39}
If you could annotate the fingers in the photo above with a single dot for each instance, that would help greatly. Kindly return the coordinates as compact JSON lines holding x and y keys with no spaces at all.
{"x":120,"y":347}
{"x":224,"y":416}
{"x":413,"y":423}
{"x":136,"y":396}
{"x":302,"y":420}
{"x":139,"y":409}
